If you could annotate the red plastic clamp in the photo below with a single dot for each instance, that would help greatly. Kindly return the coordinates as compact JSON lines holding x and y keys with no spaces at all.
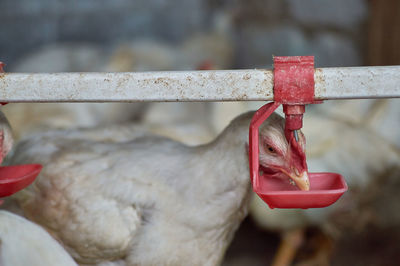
{"x":294,"y":87}
{"x":294,"y":79}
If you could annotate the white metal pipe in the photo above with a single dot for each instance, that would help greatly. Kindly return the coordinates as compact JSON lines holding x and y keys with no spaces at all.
{"x":357,"y":82}
{"x":224,"y":85}
{"x":221,"y":85}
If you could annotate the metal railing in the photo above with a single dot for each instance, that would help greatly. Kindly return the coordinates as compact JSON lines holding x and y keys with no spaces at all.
{"x":219,"y":85}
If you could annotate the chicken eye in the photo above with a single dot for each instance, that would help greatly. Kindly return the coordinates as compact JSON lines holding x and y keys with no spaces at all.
{"x":270,"y":149}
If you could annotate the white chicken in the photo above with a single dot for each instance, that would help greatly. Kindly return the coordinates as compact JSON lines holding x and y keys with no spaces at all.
{"x":149,"y":200}
{"x":25,"y":243}
{"x":381,"y":116}
{"x":185,"y":122}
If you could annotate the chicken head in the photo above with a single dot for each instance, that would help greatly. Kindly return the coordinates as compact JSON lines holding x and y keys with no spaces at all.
{"x":280,"y":156}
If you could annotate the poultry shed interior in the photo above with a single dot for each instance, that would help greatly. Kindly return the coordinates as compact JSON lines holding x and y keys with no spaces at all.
{"x":167,"y":183}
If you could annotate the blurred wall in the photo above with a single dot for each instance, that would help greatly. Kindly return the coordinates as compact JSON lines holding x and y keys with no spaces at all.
{"x":333,"y":31}
{"x":384,"y":33}
{"x":28,"y":24}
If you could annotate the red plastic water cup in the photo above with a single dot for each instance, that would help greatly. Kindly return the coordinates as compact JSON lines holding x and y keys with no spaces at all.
{"x":16,"y":177}
{"x":325,"y":188}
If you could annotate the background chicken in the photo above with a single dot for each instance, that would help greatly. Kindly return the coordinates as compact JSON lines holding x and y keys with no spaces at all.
{"x":25,"y":243}
{"x":138,"y":200}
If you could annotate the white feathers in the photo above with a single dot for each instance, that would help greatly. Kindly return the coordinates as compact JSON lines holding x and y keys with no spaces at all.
{"x":145,"y":200}
{"x":25,"y":243}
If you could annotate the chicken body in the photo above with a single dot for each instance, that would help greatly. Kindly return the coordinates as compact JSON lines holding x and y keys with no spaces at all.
{"x":184,"y":122}
{"x":25,"y":243}
{"x":146,"y":201}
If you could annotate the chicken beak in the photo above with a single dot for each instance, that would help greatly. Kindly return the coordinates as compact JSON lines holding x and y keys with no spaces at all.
{"x":301,"y":180}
